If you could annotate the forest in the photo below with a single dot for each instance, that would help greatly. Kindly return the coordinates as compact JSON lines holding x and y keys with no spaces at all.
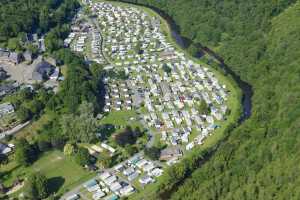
{"x":260,"y":41}
{"x":20,"y":17}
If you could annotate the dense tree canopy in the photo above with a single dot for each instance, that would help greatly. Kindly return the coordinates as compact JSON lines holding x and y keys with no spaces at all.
{"x":36,"y":187}
{"x":29,"y":16}
{"x":25,"y":152}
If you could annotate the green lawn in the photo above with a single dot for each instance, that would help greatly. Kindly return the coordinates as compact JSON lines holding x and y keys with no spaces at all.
{"x":121,"y":118}
{"x":62,"y":173}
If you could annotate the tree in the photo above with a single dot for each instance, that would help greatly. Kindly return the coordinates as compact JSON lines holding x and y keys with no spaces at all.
{"x":152,"y":152}
{"x":25,"y":153}
{"x":69,"y":149}
{"x":44,"y":145}
{"x":203,"y":108}
{"x":82,"y":156}
{"x":105,"y":161}
{"x":138,"y":48}
{"x":166,"y":68}
{"x":3,"y":159}
{"x":14,"y":44}
{"x":130,"y":149}
{"x":24,"y":114}
{"x":36,"y":187}
{"x":83,"y":127}
{"x":125,"y":137}
{"x":194,"y":50}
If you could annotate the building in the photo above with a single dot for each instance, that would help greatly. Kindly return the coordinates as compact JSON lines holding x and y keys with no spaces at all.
{"x":5,"y":149}
{"x":42,"y":70}
{"x":7,"y":89}
{"x":6,"y":108}
{"x":15,"y":57}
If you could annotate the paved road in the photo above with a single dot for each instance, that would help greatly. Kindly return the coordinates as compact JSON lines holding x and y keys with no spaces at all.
{"x":14,"y":130}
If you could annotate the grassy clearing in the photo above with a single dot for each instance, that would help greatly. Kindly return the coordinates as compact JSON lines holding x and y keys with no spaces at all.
{"x":61,"y":171}
{"x":121,"y":118}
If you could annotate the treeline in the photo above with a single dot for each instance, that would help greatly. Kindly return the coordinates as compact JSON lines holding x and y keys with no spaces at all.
{"x":260,"y":41}
{"x":19,"y":17}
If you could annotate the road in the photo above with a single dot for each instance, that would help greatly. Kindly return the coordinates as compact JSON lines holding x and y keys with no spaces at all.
{"x":14,"y":130}
{"x":95,"y":22}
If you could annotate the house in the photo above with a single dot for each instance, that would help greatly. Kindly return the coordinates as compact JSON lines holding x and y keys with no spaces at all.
{"x":104,"y":175}
{"x":73,"y":197}
{"x":15,"y":57}
{"x":5,"y":149}
{"x":4,"y":54}
{"x":108,"y":181}
{"x":6,"y":108}
{"x":146,"y":180}
{"x":42,"y":70}
{"x":115,"y":186}
{"x":133,"y":176}
{"x":127,"y":190}
{"x":141,"y":163}
{"x":119,"y":167}
{"x":98,"y":195}
{"x":55,"y":74}
{"x":156,"y":172}
{"x":107,"y":147}
{"x":8,"y":89}
{"x":128,"y":171}
{"x":170,"y":153}
{"x":112,"y":197}
{"x":90,"y":183}
{"x":148,"y":167}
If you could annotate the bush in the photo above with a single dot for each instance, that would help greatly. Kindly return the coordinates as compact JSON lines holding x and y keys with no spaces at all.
{"x":153,"y":153}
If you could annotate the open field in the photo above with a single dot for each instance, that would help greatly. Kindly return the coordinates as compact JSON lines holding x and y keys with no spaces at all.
{"x":61,"y":172}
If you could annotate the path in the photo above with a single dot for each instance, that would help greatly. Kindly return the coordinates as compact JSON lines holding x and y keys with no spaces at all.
{"x":95,"y":22}
{"x":14,"y":130}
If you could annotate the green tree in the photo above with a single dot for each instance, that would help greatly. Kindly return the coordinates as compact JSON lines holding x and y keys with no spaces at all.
{"x":166,"y":68}
{"x":25,"y":153}
{"x":152,"y":152}
{"x":82,"y":156}
{"x":69,"y":149}
{"x":203,"y":108}
{"x":105,"y":161}
{"x":14,"y":44}
{"x":24,"y":114}
{"x":36,"y":187}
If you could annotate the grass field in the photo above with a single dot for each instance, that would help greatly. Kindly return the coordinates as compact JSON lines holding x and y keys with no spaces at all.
{"x":121,"y":118}
{"x":62,"y":172}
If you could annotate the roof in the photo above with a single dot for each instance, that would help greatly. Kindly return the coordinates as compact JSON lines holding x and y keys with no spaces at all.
{"x":90,"y":183}
{"x":112,"y":197}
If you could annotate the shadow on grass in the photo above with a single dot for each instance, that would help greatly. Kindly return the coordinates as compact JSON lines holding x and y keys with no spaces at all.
{"x":55,"y":183}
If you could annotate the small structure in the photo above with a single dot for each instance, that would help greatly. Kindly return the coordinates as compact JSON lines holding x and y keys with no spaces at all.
{"x":42,"y":70}
{"x":6,"y":108}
